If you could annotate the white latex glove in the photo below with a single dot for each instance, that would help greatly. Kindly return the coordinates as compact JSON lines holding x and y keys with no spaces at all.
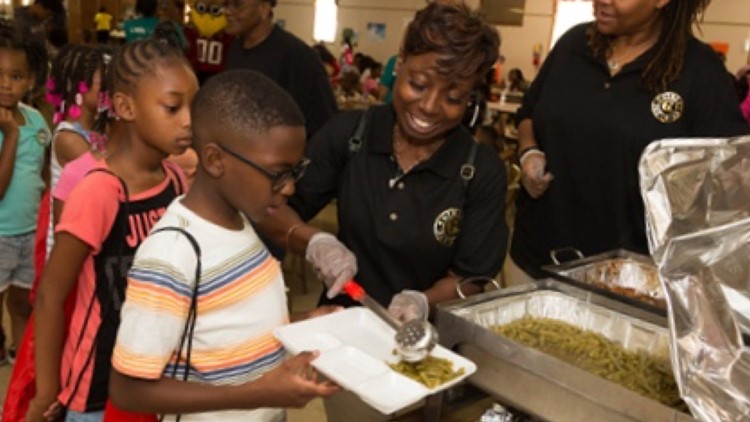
{"x":334,"y":262}
{"x":409,"y":305}
{"x":533,"y":175}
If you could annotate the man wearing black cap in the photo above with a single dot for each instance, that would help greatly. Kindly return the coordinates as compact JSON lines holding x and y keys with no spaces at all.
{"x":287,"y":60}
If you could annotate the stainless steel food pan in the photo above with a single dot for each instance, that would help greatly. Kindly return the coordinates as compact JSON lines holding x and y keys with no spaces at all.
{"x":540,"y":384}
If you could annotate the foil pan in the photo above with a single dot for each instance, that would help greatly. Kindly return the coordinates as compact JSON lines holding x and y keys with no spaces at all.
{"x":697,"y":198}
{"x":621,"y":273}
{"x":543,"y":385}
{"x":632,"y":333}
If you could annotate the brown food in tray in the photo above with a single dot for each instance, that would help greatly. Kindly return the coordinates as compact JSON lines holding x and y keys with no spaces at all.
{"x":631,"y":293}
{"x":623,"y":277}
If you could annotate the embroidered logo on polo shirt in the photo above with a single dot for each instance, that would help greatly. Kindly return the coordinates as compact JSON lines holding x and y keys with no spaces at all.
{"x":447,"y":226}
{"x":667,"y":107}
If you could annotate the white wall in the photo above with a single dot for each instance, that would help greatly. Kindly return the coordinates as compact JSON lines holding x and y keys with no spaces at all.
{"x":356,"y":14}
{"x":517,"y":41}
{"x":728,"y":21}
{"x":725,"y":20}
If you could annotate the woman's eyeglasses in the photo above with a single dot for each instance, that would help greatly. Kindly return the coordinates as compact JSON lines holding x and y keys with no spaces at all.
{"x":278,"y":179}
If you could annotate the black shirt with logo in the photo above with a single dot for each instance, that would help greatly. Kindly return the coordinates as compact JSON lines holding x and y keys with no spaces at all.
{"x":407,"y":231}
{"x":593,"y":127}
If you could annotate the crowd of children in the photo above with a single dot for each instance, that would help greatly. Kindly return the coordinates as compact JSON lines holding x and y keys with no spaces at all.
{"x":208,"y":279}
{"x":192,"y":337}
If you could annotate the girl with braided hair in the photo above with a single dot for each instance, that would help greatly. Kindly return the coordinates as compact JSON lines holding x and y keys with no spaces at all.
{"x":76,"y":91}
{"x":608,"y":88}
{"x":105,"y":218}
{"x":24,"y":136}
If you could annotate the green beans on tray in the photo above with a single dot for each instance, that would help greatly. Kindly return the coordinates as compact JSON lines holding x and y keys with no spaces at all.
{"x":430,"y":371}
{"x":639,"y":371}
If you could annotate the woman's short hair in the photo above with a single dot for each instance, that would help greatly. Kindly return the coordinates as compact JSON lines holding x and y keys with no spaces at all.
{"x":466,"y":44}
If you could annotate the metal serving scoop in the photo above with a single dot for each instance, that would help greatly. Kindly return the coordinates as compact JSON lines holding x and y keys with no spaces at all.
{"x":414,"y":339}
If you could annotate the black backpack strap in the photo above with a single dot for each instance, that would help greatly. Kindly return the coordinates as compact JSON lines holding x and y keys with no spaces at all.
{"x":117,"y":296}
{"x":113,"y":302}
{"x":467,"y":169}
{"x":186,"y":339}
{"x":187,"y":333}
{"x":111,"y":173}
{"x":358,"y":137}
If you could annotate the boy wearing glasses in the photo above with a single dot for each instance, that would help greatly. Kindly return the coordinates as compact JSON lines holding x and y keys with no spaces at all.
{"x":249,"y":136}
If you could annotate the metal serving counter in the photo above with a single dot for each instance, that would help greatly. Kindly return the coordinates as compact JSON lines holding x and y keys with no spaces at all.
{"x":538,"y":383}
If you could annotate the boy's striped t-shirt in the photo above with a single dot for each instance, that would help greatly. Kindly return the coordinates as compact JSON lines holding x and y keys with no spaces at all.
{"x":241,"y":299}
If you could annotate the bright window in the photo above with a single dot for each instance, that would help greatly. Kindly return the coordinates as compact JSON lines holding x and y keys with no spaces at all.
{"x":326,"y":20}
{"x":6,"y":9}
{"x":569,"y":13}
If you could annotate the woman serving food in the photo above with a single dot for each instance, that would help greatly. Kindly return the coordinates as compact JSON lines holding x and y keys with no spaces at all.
{"x":636,"y":74}
{"x":420,"y":204}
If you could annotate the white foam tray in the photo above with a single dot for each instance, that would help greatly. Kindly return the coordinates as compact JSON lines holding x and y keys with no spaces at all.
{"x":355,"y":347}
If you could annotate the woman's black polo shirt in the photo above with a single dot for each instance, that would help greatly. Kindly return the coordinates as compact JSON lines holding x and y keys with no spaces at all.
{"x":593,"y":128}
{"x":409,"y":235}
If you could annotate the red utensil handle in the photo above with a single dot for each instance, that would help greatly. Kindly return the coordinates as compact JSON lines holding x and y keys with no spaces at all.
{"x":354,"y":290}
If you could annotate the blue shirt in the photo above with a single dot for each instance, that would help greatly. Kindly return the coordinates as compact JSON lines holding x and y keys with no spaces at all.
{"x":142,"y":28}
{"x":19,"y":206}
{"x":388,"y":78}
{"x":139,"y":28}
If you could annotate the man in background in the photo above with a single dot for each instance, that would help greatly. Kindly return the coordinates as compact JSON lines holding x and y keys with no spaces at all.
{"x":36,"y":20}
{"x":142,"y":26}
{"x":44,"y":23}
{"x":287,"y":60}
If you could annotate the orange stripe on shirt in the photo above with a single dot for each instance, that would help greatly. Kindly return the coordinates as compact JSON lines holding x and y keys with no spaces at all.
{"x":242,"y":288}
{"x":158,"y":298}
{"x":249,"y":351}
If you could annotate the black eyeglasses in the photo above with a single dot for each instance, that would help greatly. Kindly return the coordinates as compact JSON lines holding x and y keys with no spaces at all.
{"x":278,"y":179}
